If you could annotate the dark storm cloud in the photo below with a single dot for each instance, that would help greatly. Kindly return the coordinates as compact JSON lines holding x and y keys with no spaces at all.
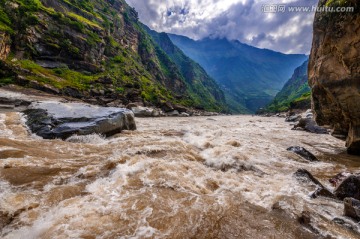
{"x":241,"y":20}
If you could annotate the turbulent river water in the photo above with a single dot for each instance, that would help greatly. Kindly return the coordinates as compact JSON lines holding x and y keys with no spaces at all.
{"x":202,"y":177}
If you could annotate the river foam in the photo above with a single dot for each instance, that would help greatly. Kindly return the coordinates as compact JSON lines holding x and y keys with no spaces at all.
{"x":200,"y":177}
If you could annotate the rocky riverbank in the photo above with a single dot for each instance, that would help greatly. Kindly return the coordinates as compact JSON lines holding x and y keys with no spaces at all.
{"x":15,"y":98}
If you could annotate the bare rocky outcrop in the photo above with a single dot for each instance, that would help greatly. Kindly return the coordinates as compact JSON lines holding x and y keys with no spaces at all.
{"x":4,"y":45}
{"x":334,"y":72}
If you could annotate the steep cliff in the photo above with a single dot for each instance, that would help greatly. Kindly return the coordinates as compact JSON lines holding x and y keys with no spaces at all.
{"x":90,"y":49}
{"x":295,"y":93}
{"x":334,"y":71}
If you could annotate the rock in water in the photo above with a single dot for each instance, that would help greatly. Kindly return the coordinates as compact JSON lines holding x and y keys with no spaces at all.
{"x":52,"y":120}
{"x":303,"y":153}
{"x":293,"y":118}
{"x":310,"y":125}
{"x":334,"y":72}
{"x":321,"y":190}
{"x":352,"y":208}
{"x":350,"y":187}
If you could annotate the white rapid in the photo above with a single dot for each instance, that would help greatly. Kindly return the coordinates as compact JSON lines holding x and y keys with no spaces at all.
{"x":218,"y":177}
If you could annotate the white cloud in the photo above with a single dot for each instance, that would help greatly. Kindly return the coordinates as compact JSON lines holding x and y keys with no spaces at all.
{"x":242,"y":20}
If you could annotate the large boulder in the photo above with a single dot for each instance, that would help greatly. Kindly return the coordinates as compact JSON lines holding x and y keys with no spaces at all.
{"x":352,"y":208}
{"x":334,"y":71}
{"x":310,"y":125}
{"x":305,"y":176}
{"x":350,"y":187}
{"x":52,"y":120}
{"x":303,"y":153}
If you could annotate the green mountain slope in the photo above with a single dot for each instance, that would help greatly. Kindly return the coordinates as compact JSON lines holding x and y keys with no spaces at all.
{"x":251,"y":77}
{"x":295,"y":92}
{"x":93,"y":49}
{"x":201,"y":86}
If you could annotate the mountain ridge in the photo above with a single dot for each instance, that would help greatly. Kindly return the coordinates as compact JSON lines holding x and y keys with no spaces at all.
{"x":250,"y":76}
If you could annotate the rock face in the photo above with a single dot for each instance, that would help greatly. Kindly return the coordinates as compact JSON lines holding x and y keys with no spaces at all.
{"x":4,"y":45}
{"x":52,"y":120}
{"x":334,"y":72}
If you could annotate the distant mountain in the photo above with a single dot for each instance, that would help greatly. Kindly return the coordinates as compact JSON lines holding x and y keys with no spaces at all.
{"x":251,"y":77}
{"x":295,"y":92}
{"x":202,"y":88}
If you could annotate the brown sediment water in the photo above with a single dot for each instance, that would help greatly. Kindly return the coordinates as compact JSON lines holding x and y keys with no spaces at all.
{"x":217,"y":177}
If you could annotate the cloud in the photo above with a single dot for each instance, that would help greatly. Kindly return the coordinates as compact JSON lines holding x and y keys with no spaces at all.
{"x":241,"y":20}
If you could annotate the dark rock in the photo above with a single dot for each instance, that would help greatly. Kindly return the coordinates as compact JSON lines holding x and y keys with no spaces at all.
{"x":5,"y":219}
{"x":133,"y":105}
{"x":352,"y":208}
{"x":59,"y":120}
{"x":116,"y":103}
{"x":106,"y":80}
{"x":350,"y":187}
{"x":50,"y":64}
{"x":293,"y":118}
{"x":167,"y":107}
{"x":14,"y":102}
{"x":105,"y":101}
{"x":337,"y":179}
{"x":310,"y":125}
{"x":321,"y":190}
{"x":43,"y":87}
{"x":173,"y":113}
{"x":303,"y":153}
{"x":305,"y":218}
{"x":94,"y":92}
{"x":180,"y":108}
{"x":303,"y":173}
{"x":72,"y":92}
{"x":343,"y":223}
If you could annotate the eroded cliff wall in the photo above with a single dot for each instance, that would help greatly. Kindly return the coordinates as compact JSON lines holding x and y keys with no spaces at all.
{"x":334,"y":71}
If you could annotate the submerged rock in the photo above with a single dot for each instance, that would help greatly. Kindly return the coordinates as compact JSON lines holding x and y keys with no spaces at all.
{"x":309,"y":125}
{"x":350,"y":187}
{"x":352,"y":208}
{"x":321,"y":190}
{"x":293,"y":118}
{"x":303,"y":153}
{"x":52,"y":120}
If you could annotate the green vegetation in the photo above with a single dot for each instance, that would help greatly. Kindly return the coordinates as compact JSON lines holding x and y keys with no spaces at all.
{"x":83,"y":20}
{"x":72,"y":35}
{"x":295,"y":91}
{"x":335,"y":3}
{"x":202,"y":91}
{"x":59,"y":77}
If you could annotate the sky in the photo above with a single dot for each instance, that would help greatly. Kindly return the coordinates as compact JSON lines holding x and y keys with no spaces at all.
{"x":242,"y":20}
